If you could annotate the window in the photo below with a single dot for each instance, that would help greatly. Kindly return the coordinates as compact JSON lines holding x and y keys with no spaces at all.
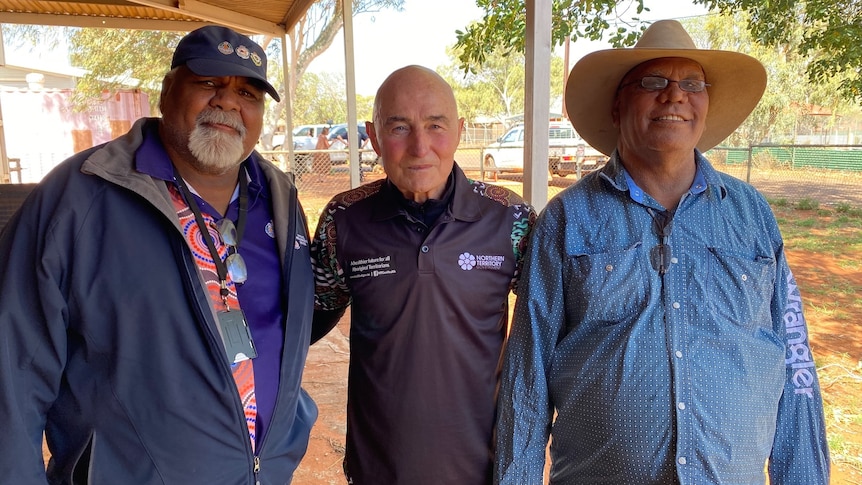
{"x":561,"y":133}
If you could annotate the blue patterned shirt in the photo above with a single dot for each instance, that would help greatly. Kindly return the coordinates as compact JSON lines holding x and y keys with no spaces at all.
{"x":700,"y":376}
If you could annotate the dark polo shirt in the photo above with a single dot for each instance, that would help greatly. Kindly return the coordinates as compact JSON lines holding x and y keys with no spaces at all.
{"x":428,"y":321}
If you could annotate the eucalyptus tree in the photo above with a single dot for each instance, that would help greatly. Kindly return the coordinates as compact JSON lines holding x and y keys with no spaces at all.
{"x":495,"y":89}
{"x":829,"y":35}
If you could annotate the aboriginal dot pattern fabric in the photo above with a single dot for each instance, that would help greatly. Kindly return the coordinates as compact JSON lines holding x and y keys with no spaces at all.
{"x":703,"y":375}
{"x":243,"y":372}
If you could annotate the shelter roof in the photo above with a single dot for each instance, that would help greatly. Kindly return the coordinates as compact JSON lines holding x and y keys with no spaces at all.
{"x":267,"y":17}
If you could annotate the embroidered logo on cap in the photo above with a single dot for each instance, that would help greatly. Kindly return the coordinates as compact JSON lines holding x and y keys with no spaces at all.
{"x":255,"y":59}
{"x":225,"y":48}
{"x":242,"y":51}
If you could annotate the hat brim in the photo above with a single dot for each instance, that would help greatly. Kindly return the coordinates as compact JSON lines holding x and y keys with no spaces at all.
{"x":737,"y":84}
{"x":212,"y":67}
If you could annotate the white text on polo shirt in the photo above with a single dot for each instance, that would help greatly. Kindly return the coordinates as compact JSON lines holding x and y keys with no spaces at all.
{"x":488,"y":261}
{"x":363,"y":268}
{"x":797,"y":341}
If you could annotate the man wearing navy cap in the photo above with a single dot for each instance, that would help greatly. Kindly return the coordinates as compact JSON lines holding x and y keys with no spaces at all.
{"x":156,"y":296}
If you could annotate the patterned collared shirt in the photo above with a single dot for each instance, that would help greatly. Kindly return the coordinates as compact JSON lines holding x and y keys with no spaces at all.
{"x":698,"y":376}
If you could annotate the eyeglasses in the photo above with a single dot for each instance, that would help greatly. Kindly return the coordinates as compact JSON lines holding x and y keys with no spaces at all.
{"x":658,"y":83}
{"x":660,"y":255}
{"x":234,"y":262}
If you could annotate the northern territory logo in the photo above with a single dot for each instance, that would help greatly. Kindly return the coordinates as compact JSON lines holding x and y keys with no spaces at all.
{"x":469,"y":261}
{"x":466,"y":261}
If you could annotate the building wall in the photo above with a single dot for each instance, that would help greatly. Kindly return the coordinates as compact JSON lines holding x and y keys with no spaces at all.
{"x":43,"y":128}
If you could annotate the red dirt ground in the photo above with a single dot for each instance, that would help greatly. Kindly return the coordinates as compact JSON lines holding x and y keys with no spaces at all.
{"x":326,"y":378}
{"x":326,"y":372}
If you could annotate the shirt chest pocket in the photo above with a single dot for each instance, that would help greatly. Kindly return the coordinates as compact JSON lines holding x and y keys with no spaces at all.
{"x":740,"y":288}
{"x":609,"y":288}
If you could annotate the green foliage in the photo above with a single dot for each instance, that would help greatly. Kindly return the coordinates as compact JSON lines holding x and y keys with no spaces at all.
{"x":312,"y":36}
{"x":503,"y":26}
{"x":117,"y":58}
{"x":825,"y":32}
{"x":787,"y":104}
{"x":807,"y":204}
{"x":495,"y":89}
{"x":32,"y":37}
{"x":320,"y":98}
{"x":831,"y":30}
{"x":848,"y":211}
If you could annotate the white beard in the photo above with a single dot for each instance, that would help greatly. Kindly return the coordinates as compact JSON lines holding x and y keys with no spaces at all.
{"x":216,"y":150}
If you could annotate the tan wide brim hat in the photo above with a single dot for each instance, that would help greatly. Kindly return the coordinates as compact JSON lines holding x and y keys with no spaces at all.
{"x":737,"y":84}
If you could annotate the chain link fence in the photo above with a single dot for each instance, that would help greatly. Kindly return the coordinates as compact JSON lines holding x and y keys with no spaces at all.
{"x":827,"y":174}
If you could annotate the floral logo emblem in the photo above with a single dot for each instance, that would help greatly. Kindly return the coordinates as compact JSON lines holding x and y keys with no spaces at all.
{"x":466,"y":261}
{"x":242,"y":51}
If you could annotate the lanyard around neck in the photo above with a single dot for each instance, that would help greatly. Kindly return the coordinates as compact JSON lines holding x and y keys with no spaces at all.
{"x":221,"y":268}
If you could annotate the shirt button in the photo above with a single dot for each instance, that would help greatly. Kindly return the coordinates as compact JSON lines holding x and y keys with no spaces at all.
{"x":425,"y":249}
{"x":682,"y":460}
{"x":674,"y":260}
{"x":609,"y":267}
{"x":745,"y":277}
{"x":676,"y":305}
{"x":681,"y":405}
{"x":678,"y":354}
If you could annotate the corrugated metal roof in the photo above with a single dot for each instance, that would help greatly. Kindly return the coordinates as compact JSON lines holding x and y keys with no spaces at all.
{"x":268,"y":17}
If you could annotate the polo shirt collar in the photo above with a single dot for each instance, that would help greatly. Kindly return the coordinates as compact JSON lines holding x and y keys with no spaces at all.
{"x":462,"y":205}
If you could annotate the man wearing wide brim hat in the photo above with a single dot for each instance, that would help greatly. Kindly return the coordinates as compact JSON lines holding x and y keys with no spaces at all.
{"x":658,"y":334}
{"x":737,"y":82}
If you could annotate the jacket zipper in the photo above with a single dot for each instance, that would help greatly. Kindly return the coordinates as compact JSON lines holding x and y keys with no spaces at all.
{"x":216,"y":343}
{"x":256,"y":470}
{"x":292,"y":231}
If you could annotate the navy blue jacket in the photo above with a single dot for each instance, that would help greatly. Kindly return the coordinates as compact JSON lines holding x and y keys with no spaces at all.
{"x":108,"y":340}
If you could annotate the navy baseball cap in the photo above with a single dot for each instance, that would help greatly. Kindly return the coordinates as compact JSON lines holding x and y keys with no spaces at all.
{"x":219,"y":51}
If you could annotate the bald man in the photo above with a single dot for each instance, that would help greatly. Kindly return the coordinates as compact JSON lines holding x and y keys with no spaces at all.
{"x":426,"y":259}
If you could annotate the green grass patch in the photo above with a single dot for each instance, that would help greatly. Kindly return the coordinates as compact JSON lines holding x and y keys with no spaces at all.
{"x":807,"y":204}
{"x":836,"y":232}
{"x":807,"y":223}
{"x":781,"y":202}
{"x":847,"y":209}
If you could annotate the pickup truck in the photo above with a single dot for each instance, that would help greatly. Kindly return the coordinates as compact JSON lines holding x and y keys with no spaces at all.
{"x":568,"y":153}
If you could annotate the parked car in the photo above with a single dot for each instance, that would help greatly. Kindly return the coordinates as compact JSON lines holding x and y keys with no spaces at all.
{"x":367,"y":155}
{"x":304,"y":138}
{"x":567,"y":151}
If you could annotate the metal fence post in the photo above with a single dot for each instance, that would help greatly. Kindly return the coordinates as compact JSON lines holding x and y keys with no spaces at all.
{"x":750,"y":162}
